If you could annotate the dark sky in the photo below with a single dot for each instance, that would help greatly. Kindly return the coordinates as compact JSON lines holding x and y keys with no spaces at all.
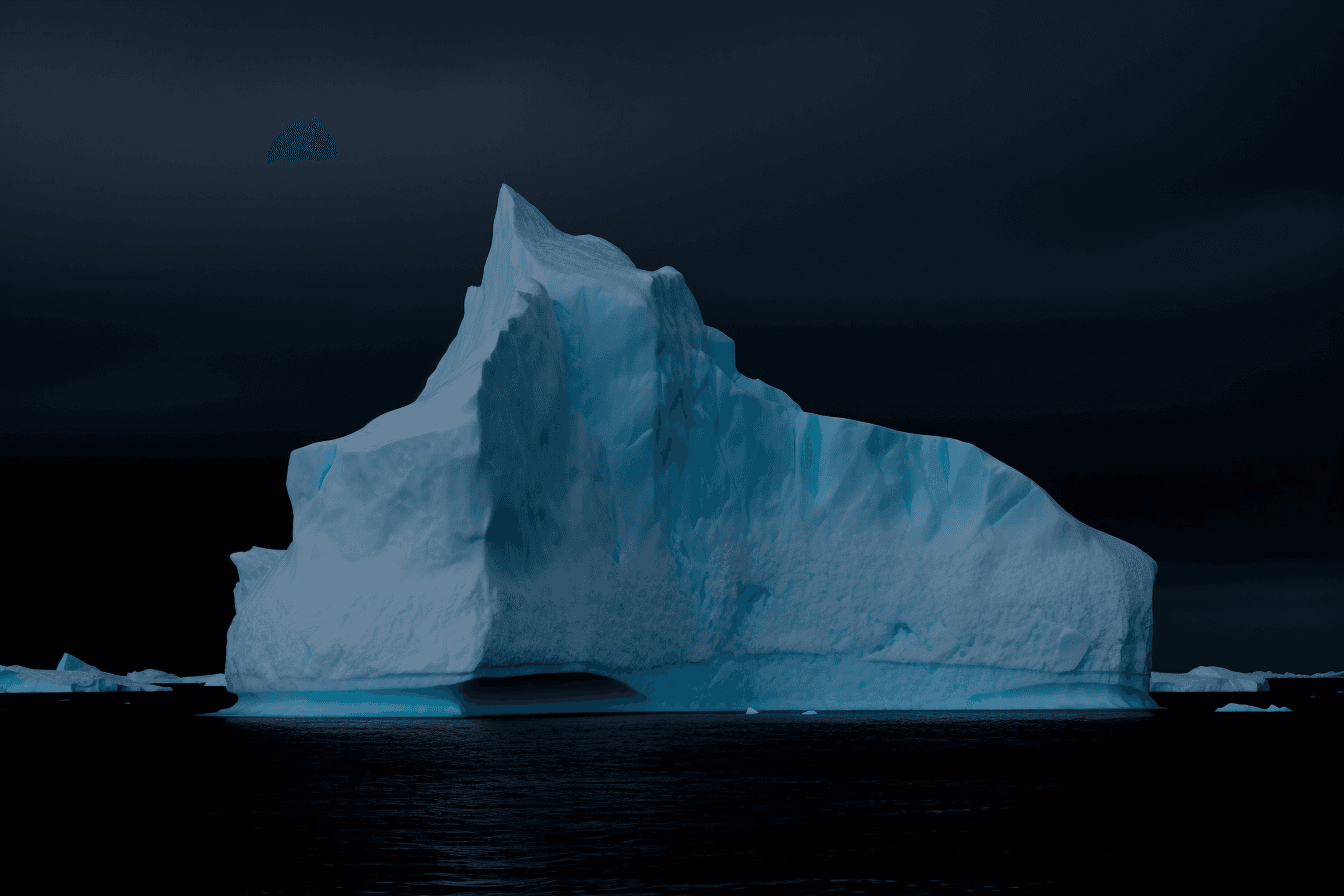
{"x":1103,"y":244}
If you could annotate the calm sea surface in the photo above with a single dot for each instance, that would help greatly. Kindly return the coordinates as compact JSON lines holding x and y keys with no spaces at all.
{"x":776,"y":803}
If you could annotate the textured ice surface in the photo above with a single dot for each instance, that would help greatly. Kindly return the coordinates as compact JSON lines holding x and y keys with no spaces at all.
{"x":587,"y":484}
{"x":1242,"y":707}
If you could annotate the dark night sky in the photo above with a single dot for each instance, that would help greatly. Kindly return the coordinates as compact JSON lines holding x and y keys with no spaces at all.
{"x":1102,"y":244}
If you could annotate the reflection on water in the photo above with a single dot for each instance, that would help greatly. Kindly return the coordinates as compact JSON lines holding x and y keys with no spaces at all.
{"x":844,"y":802}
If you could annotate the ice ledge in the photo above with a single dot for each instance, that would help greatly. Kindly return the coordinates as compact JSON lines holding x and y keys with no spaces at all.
{"x":792,"y":682}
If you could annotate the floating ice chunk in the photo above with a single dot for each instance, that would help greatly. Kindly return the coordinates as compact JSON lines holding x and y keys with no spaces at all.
{"x":810,"y":712}
{"x":751,"y":712}
{"x":159,"y":676}
{"x":1206,"y":679}
{"x":1242,"y":707}
{"x":1296,"y":675}
{"x":74,"y":675}
{"x":1218,"y":679}
{"x":22,"y":680}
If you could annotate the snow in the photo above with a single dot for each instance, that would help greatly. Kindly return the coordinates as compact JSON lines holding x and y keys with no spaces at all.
{"x":587,"y":483}
{"x":1242,"y":707}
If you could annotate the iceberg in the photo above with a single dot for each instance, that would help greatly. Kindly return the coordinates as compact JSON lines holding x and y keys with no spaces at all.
{"x":300,"y":142}
{"x":1242,"y":707}
{"x":587,"y":485}
{"x":1213,"y":679}
{"x":1207,"y":679}
{"x":71,"y":675}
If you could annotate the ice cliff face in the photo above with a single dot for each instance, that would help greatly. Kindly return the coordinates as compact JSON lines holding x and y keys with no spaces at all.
{"x":587,"y":483}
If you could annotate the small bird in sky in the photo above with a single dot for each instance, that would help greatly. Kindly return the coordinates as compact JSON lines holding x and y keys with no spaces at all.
{"x":302,"y":141}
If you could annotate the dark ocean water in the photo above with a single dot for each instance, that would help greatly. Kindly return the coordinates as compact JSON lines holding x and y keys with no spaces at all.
{"x":907,"y":802}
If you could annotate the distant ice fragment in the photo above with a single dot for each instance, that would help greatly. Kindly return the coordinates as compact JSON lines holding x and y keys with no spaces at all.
{"x":1242,"y":707}
{"x":159,"y":676}
{"x":74,"y":675}
{"x":1218,"y":679}
{"x":1207,"y":678}
{"x":300,"y":142}
{"x":152,"y":675}
{"x":1297,"y":675}
{"x":22,"y":680}
{"x":810,"y":712}
{"x":751,"y":712}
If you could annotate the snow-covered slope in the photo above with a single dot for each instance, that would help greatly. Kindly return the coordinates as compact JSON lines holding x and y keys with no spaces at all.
{"x":587,"y":483}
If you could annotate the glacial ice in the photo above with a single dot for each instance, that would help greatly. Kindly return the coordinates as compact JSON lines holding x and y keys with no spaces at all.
{"x":1242,"y":707}
{"x":587,"y":484}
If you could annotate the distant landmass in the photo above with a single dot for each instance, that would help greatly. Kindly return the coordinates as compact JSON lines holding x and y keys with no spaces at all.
{"x":301,"y":141}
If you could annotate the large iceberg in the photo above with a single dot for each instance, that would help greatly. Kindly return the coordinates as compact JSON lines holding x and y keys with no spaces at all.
{"x":588,"y":486}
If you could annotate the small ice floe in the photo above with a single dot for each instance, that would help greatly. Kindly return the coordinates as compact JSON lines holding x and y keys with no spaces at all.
{"x":752,"y":712}
{"x":1242,"y":707}
{"x":810,"y":712}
